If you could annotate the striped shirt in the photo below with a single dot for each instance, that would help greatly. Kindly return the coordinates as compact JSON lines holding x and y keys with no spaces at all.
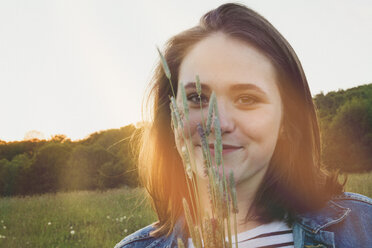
{"x":271,"y":235}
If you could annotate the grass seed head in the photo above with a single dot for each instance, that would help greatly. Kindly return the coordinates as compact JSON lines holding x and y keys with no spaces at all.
{"x":205,"y":165}
{"x":217,"y":133}
{"x":198,"y":85}
{"x":233,"y":192}
{"x":174,"y":119}
{"x":203,"y":138}
{"x":212,"y":102}
{"x":209,"y":239}
{"x":180,"y":243}
{"x":165,"y":65}
{"x":186,"y":161}
{"x":176,"y":112}
{"x":198,"y":240}
{"x":184,"y":101}
{"x":188,"y":170}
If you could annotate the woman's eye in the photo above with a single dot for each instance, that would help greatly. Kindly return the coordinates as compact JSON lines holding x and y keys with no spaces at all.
{"x":246,"y":100}
{"x":195,"y":99}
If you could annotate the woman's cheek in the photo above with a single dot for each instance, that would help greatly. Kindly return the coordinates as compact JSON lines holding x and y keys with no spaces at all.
{"x":190,"y":125}
{"x":186,"y":134}
{"x":261,"y":124}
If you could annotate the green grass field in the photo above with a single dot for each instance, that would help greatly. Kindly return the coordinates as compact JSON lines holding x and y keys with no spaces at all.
{"x":360,"y":183}
{"x":77,"y":219}
{"x":89,"y":219}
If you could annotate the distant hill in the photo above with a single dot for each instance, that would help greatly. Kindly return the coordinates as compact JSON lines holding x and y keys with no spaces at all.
{"x":346,"y":125}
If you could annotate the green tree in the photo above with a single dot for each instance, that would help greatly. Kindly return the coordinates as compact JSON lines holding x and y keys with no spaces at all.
{"x":12,"y":174}
{"x":4,"y":175}
{"x":347,"y":142}
{"x":83,"y":168}
{"x":46,"y":170}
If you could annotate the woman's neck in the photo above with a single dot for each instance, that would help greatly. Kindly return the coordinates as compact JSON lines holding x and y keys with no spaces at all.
{"x":246,"y":192}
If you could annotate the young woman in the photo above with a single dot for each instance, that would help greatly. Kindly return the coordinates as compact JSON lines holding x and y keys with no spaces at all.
{"x":270,"y":138}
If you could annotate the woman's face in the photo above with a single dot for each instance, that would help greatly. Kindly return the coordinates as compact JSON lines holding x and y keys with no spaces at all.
{"x":250,"y":107}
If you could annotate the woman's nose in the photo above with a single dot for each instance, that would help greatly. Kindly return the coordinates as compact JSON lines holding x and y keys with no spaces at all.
{"x":226,"y":120}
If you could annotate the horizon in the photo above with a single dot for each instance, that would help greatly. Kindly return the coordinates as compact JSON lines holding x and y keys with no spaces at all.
{"x":35,"y":135}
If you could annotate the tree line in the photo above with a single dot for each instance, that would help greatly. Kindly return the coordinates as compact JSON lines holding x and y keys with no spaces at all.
{"x":103,"y":160}
{"x":107,"y":159}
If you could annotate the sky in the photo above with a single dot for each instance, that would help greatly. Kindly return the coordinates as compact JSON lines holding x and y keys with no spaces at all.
{"x":75,"y":67}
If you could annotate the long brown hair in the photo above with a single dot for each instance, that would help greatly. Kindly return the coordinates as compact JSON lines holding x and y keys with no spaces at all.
{"x":295,"y":181}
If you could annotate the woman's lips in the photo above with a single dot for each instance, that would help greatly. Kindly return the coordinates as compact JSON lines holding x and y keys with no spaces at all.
{"x":226,"y":149}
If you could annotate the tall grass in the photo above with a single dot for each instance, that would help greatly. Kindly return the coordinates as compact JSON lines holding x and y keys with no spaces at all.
{"x":360,"y":183}
{"x":76,"y":219}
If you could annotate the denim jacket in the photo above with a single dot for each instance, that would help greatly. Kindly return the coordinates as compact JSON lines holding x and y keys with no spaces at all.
{"x":345,"y":221}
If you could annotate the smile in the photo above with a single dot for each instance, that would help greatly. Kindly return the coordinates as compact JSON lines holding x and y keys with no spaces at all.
{"x":226,"y":149}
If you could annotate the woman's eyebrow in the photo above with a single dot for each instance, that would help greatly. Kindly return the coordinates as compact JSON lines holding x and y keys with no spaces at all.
{"x":240,"y":87}
{"x":192,"y":85}
{"x":235,"y":87}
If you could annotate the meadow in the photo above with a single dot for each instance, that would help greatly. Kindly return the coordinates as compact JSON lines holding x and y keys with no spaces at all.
{"x":75,"y":219}
{"x":88,"y":218}
{"x":360,"y":183}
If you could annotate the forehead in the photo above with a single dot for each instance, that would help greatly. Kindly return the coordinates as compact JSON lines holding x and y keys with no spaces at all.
{"x":221,"y":61}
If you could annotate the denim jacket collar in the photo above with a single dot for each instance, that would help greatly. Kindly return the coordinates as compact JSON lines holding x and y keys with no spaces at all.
{"x":313,"y":224}
{"x":332,"y":213}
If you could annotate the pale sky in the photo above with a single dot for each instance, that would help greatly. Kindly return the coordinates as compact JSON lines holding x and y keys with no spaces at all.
{"x":75,"y":67}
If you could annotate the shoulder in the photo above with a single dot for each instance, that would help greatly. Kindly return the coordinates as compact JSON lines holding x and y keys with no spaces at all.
{"x":359,"y":210}
{"x":344,"y":221}
{"x":355,"y":223}
{"x":353,"y":200}
{"x":140,"y":238}
{"x":359,"y":207}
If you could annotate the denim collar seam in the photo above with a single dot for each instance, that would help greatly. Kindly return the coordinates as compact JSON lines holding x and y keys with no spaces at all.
{"x":332,"y":222}
{"x":352,"y":197}
{"x":136,"y":238}
{"x":314,"y":228}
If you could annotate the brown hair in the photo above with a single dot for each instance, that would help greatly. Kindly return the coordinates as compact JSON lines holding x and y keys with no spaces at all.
{"x":295,"y":181}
